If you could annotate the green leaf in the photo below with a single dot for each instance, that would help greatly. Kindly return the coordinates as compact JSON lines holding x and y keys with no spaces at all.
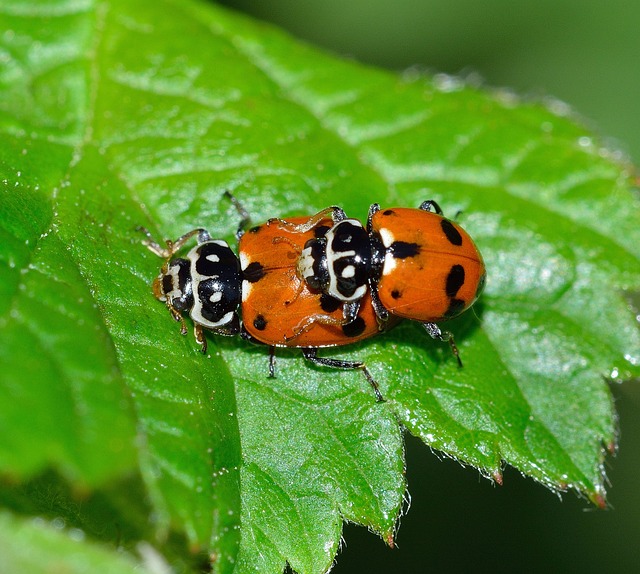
{"x":116,"y":114}
{"x":63,"y":397}
{"x":36,"y":546}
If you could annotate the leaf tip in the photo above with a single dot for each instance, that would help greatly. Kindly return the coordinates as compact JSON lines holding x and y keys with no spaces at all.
{"x":599,"y":498}
{"x":389,"y":539}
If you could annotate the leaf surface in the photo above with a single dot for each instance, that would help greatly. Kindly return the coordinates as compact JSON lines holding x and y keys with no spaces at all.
{"x":41,"y":548}
{"x":117,"y":114}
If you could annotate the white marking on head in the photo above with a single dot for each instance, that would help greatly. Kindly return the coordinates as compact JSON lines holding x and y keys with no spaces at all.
{"x":305,"y":263}
{"x":196,"y":315}
{"x":176,"y":292}
{"x":226,"y":319}
{"x":359,"y":292}
{"x":216,"y":297}
{"x":334,"y":256}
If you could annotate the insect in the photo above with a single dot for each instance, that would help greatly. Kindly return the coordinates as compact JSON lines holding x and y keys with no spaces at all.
{"x":206,"y":284}
{"x":411,"y":263}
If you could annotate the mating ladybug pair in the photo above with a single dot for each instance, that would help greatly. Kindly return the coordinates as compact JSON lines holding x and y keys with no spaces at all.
{"x":325,"y":280}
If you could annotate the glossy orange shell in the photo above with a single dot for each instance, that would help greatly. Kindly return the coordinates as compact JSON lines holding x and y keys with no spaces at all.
{"x":443,"y":274}
{"x":279,"y":301}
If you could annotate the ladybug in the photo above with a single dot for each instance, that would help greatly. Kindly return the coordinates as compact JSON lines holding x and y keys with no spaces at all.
{"x":431,"y":270}
{"x":323,"y":281}
{"x":206,"y":284}
{"x":413,"y":263}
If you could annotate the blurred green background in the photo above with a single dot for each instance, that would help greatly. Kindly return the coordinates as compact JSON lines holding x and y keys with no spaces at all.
{"x":587,"y":54}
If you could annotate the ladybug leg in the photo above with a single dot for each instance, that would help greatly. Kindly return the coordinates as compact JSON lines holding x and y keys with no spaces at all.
{"x":336,"y":213}
{"x":272,"y":362}
{"x":272,"y":350}
{"x":350,"y":310}
{"x":382,"y":315}
{"x":311,"y":355}
{"x":373,"y":209}
{"x":430,"y":205}
{"x":436,"y":333}
{"x":245,"y":218}
{"x":306,"y":324}
{"x":172,"y":246}
{"x":198,"y":333}
{"x":292,"y":244}
{"x":378,"y":254}
{"x":177,"y":317}
{"x":153,"y":245}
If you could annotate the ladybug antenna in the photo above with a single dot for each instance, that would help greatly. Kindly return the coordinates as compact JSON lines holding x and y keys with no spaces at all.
{"x":454,"y":348}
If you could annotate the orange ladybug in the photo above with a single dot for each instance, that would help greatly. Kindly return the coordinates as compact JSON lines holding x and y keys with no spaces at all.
{"x":278,"y":306}
{"x":431,"y":269}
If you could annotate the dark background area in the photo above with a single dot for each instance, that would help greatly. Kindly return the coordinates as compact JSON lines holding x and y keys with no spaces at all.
{"x":587,"y":54}
{"x":583,"y":52}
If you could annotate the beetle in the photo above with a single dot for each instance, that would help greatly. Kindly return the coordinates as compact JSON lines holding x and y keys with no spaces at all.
{"x":206,"y":283}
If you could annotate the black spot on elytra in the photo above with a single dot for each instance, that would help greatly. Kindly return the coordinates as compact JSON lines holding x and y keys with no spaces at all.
{"x":455,"y":280}
{"x":453,"y":235}
{"x":328,"y":303}
{"x":395,"y":294}
{"x":355,"y":328}
{"x":456,"y":306}
{"x":254,"y":272}
{"x":321,"y":230}
{"x":255,"y":229}
{"x":403,"y":250}
{"x":260,"y":323}
{"x":388,"y":212}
